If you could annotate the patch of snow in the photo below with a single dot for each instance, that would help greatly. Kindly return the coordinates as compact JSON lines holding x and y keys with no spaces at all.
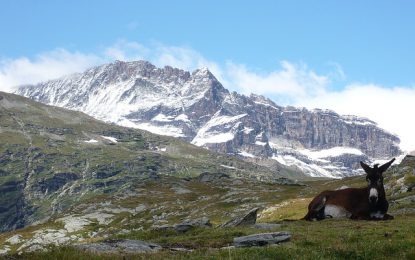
{"x":265,"y":104}
{"x":260,"y":143}
{"x":210,"y":134}
{"x":280,"y":159}
{"x":212,"y":138}
{"x":162,"y":118}
{"x":397,"y":161}
{"x":246,"y":154}
{"x":247,"y":130}
{"x":358,"y":122}
{"x":160,"y":130}
{"x":228,"y":167}
{"x":182,"y":117}
{"x":332,"y":152}
{"x":311,"y":169}
{"x":92,"y":141}
{"x":109,"y":138}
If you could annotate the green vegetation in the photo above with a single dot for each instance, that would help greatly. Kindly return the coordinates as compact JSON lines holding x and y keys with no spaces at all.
{"x":329,"y":239}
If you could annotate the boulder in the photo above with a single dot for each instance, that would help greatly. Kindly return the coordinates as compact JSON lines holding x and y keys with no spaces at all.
{"x":247,"y":219}
{"x":186,"y":225}
{"x":261,"y":239}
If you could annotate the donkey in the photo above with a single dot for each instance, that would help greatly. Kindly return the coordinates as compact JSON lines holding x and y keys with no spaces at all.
{"x":368,"y":203}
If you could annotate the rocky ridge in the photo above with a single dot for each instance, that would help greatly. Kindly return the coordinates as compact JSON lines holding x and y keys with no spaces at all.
{"x":197,"y":108}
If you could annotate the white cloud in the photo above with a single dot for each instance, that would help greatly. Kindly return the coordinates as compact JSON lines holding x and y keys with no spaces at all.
{"x":43,"y":67}
{"x":290,"y":82}
{"x":391,"y":108}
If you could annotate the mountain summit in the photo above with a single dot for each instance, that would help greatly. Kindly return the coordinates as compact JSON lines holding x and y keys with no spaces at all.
{"x":197,"y":108}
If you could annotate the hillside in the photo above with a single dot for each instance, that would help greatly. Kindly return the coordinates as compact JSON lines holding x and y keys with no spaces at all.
{"x":53,"y":158}
{"x":148,"y":209}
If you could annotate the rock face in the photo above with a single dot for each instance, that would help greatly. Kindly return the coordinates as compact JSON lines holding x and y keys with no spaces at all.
{"x":261,"y":239}
{"x":197,"y":108}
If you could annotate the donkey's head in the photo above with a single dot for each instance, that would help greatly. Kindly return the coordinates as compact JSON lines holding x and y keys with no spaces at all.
{"x":374,"y":179}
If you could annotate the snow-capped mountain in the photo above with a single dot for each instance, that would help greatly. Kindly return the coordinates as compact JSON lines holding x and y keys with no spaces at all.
{"x":196,"y":107}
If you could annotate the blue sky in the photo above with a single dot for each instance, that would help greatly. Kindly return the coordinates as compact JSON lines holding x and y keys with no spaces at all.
{"x":326,"y":54}
{"x":371,"y":40}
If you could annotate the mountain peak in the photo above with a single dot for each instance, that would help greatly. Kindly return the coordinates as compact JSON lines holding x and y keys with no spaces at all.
{"x":171,"y":101}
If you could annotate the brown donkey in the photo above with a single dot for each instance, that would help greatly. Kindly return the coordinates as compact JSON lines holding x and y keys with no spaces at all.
{"x":367,"y":203}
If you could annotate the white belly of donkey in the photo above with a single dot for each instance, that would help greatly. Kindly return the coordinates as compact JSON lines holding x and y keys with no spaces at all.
{"x":336,"y":212}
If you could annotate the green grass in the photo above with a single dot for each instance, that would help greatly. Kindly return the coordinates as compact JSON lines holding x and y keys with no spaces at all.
{"x":328,"y":239}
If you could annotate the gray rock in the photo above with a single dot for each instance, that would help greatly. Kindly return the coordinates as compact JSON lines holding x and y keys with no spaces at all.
{"x":182,"y":228}
{"x":247,"y":219}
{"x":120,"y":246}
{"x":186,"y":225}
{"x":261,"y":239}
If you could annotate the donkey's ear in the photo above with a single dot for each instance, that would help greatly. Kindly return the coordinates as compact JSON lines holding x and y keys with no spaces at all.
{"x":366,"y":167}
{"x":384,"y":167}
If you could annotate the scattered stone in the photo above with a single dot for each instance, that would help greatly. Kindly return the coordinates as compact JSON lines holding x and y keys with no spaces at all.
{"x":120,"y":246}
{"x":262,"y":239}
{"x":267,"y":226}
{"x":247,"y":219}
{"x":13,"y":240}
{"x":46,"y":237}
{"x":4,"y":250}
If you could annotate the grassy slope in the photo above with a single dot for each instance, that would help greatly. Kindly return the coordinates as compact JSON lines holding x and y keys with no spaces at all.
{"x":46,"y":166}
{"x":329,"y":239}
